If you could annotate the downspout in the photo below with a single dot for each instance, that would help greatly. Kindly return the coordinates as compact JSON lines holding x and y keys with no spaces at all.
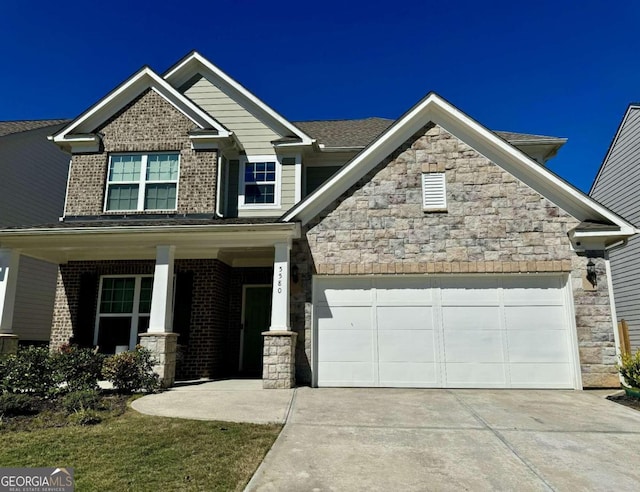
{"x":612,"y":302}
{"x":218,"y":186}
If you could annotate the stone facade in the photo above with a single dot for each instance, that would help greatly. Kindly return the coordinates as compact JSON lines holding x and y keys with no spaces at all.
{"x":163,"y":348}
{"x":147,"y":124}
{"x":494,"y":223}
{"x":279,"y":360}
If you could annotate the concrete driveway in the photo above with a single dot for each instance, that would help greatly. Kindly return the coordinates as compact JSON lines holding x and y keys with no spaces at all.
{"x":396,"y":439}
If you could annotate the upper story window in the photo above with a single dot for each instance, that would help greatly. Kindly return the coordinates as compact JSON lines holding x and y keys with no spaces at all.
{"x":260,"y":182}
{"x":142,"y":181}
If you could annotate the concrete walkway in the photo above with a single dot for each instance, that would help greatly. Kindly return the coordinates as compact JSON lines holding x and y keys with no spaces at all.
{"x":396,"y":439}
{"x":236,"y":400}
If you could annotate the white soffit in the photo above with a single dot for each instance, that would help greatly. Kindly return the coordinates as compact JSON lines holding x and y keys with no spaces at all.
{"x":117,"y":99}
{"x":434,"y":108}
{"x":195,"y":63}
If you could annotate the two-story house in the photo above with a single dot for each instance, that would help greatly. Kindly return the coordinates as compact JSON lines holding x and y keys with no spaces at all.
{"x":33,"y":177}
{"x":427,"y":251}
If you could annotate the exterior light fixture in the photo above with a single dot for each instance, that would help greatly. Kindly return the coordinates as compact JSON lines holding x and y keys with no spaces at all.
{"x":592,"y":276}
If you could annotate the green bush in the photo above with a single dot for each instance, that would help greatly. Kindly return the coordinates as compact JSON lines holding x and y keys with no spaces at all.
{"x":84,"y":417}
{"x":629,"y":367}
{"x":77,"y":401}
{"x":12,"y":404}
{"x":28,"y":371}
{"x":131,"y":371}
{"x":78,"y":369}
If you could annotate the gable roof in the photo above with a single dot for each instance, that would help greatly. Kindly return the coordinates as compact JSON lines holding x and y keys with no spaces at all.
{"x":145,"y":78}
{"x":9,"y":127}
{"x":194,"y":63}
{"x":630,"y":109}
{"x":433,"y":108}
{"x":359,"y":133}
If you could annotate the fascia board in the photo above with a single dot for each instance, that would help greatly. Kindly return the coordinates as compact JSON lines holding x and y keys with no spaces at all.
{"x":129,"y":90}
{"x":434,"y":108}
{"x":195,"y":63}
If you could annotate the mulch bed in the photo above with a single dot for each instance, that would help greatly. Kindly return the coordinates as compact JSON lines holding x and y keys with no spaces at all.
{"x":627,"y":401}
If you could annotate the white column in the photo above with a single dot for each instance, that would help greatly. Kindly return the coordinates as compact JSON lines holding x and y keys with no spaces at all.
{"x":9,"y":260}
{"x":162,"y":295}
{"x":280,"y":296}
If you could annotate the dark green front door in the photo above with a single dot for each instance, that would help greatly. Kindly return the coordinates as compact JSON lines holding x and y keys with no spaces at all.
{"x":257,"y":318}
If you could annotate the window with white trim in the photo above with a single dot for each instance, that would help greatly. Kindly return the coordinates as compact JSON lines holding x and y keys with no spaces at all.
{"x":142,"y":182}
{"x":259,"y":182}
{"x":124,"y":308}
{"x":434,"y":191}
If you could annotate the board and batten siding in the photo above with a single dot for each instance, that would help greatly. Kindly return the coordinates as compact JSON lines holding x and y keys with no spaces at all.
{"x":618,"y":188}
{"x":33,"y":178}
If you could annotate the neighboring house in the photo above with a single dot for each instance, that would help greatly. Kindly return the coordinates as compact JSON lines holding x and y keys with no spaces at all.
{"x":425,"y":252}
{"x":33,"y":179}
{"x":616,"y":187}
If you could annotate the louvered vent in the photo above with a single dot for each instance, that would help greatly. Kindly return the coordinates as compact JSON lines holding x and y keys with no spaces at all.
{"x":434,"y":196}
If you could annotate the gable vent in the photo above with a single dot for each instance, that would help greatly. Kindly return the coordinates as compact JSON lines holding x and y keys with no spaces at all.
{"x":434,"y":196}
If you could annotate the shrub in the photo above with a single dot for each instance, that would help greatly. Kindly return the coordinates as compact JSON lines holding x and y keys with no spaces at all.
{"x":131,"y":371}
{"x":12,"y":404}
{"x":85,"y":417}
{"x":28,"y":371}
{"x":77,"y":401}
{"x":629,"y":367}
{"x":78,"y":369}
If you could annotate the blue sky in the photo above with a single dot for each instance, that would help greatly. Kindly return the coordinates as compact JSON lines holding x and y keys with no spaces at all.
{"x":565,"y":69}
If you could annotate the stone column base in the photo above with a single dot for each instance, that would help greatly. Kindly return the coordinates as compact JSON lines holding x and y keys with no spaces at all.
{"x":8,"y":344}
{"x":279,"y":360}
{"x":163,"y":348}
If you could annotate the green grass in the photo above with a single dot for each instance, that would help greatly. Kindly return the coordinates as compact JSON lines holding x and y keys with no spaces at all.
{"x":138,"y":452}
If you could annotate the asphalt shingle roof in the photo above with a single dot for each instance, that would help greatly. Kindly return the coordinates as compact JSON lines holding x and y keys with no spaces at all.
{"x":9,"y":127}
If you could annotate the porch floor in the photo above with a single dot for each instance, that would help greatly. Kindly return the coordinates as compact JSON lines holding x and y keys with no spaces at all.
{"x":231,"y":400}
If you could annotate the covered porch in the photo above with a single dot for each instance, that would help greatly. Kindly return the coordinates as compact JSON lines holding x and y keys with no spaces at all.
{"x":208,"y":300}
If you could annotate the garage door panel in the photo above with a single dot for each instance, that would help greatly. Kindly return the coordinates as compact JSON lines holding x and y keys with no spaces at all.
{"x":403,"y":291}
{"x":347,"y":373}
{"x":474,"y":375}
{"x":469,"y":291}
{"x":538,"y":346}
{"x":541,"y":375}
{"x":406,"y":346}
{"x":520,"y":287}
{"x":408,"y":374}
{"x":404,"y":318}
{"x":535,"y":318}
{"x":343,"y":317}
{"x":473,"y":346}
{"x":348,"y":292}
{"x":471,"y":318}
{"x":345,"y":345}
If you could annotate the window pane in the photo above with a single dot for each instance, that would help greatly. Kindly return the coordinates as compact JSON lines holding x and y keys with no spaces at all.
{"x":143,"y":324}
{"x":162,"y":167}
{"x":259,"y":194}
{"x":146,"y":287}
{"x":125,"y":168}
{"x":249,"y":173}
{"x":117,"y":295}
{"x":122,"y":197}
{"x":160,"y":197}
{"x":113,"y":332}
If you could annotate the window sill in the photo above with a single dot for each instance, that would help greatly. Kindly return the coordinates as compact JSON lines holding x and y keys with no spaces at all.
{"x":434,"y":210}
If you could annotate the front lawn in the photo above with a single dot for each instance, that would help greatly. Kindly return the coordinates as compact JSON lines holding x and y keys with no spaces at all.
{"x":131,"y":451}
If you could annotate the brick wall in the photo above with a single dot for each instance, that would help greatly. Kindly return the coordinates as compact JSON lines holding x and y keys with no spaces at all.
{"x":147,"y":124}
{"x":206,"y":353}
{"x":493,"y":224}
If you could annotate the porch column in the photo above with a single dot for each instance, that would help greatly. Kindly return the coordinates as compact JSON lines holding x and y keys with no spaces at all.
{"x":159,"y":339}
{"x":278,"y":361}
{"x":9,"y":260}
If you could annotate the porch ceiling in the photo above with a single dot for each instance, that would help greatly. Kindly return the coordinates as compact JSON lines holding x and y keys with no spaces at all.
{"x":242,"y":244}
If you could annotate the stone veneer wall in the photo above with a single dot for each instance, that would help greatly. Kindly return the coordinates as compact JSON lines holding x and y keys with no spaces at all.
{"x":494,"y":223}
{"x":205,"y":355}
{"x":147,"y":124}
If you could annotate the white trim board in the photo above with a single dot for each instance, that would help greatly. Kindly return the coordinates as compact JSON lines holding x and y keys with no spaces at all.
{"x":434,"y":108}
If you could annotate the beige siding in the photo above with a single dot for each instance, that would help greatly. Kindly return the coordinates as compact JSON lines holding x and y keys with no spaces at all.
{"x":254,"y":135}
{"x":288,"y":187}
{"x":34,"y":299}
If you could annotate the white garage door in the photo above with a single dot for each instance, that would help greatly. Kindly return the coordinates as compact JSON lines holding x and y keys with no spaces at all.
{"x":481,"y":332}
